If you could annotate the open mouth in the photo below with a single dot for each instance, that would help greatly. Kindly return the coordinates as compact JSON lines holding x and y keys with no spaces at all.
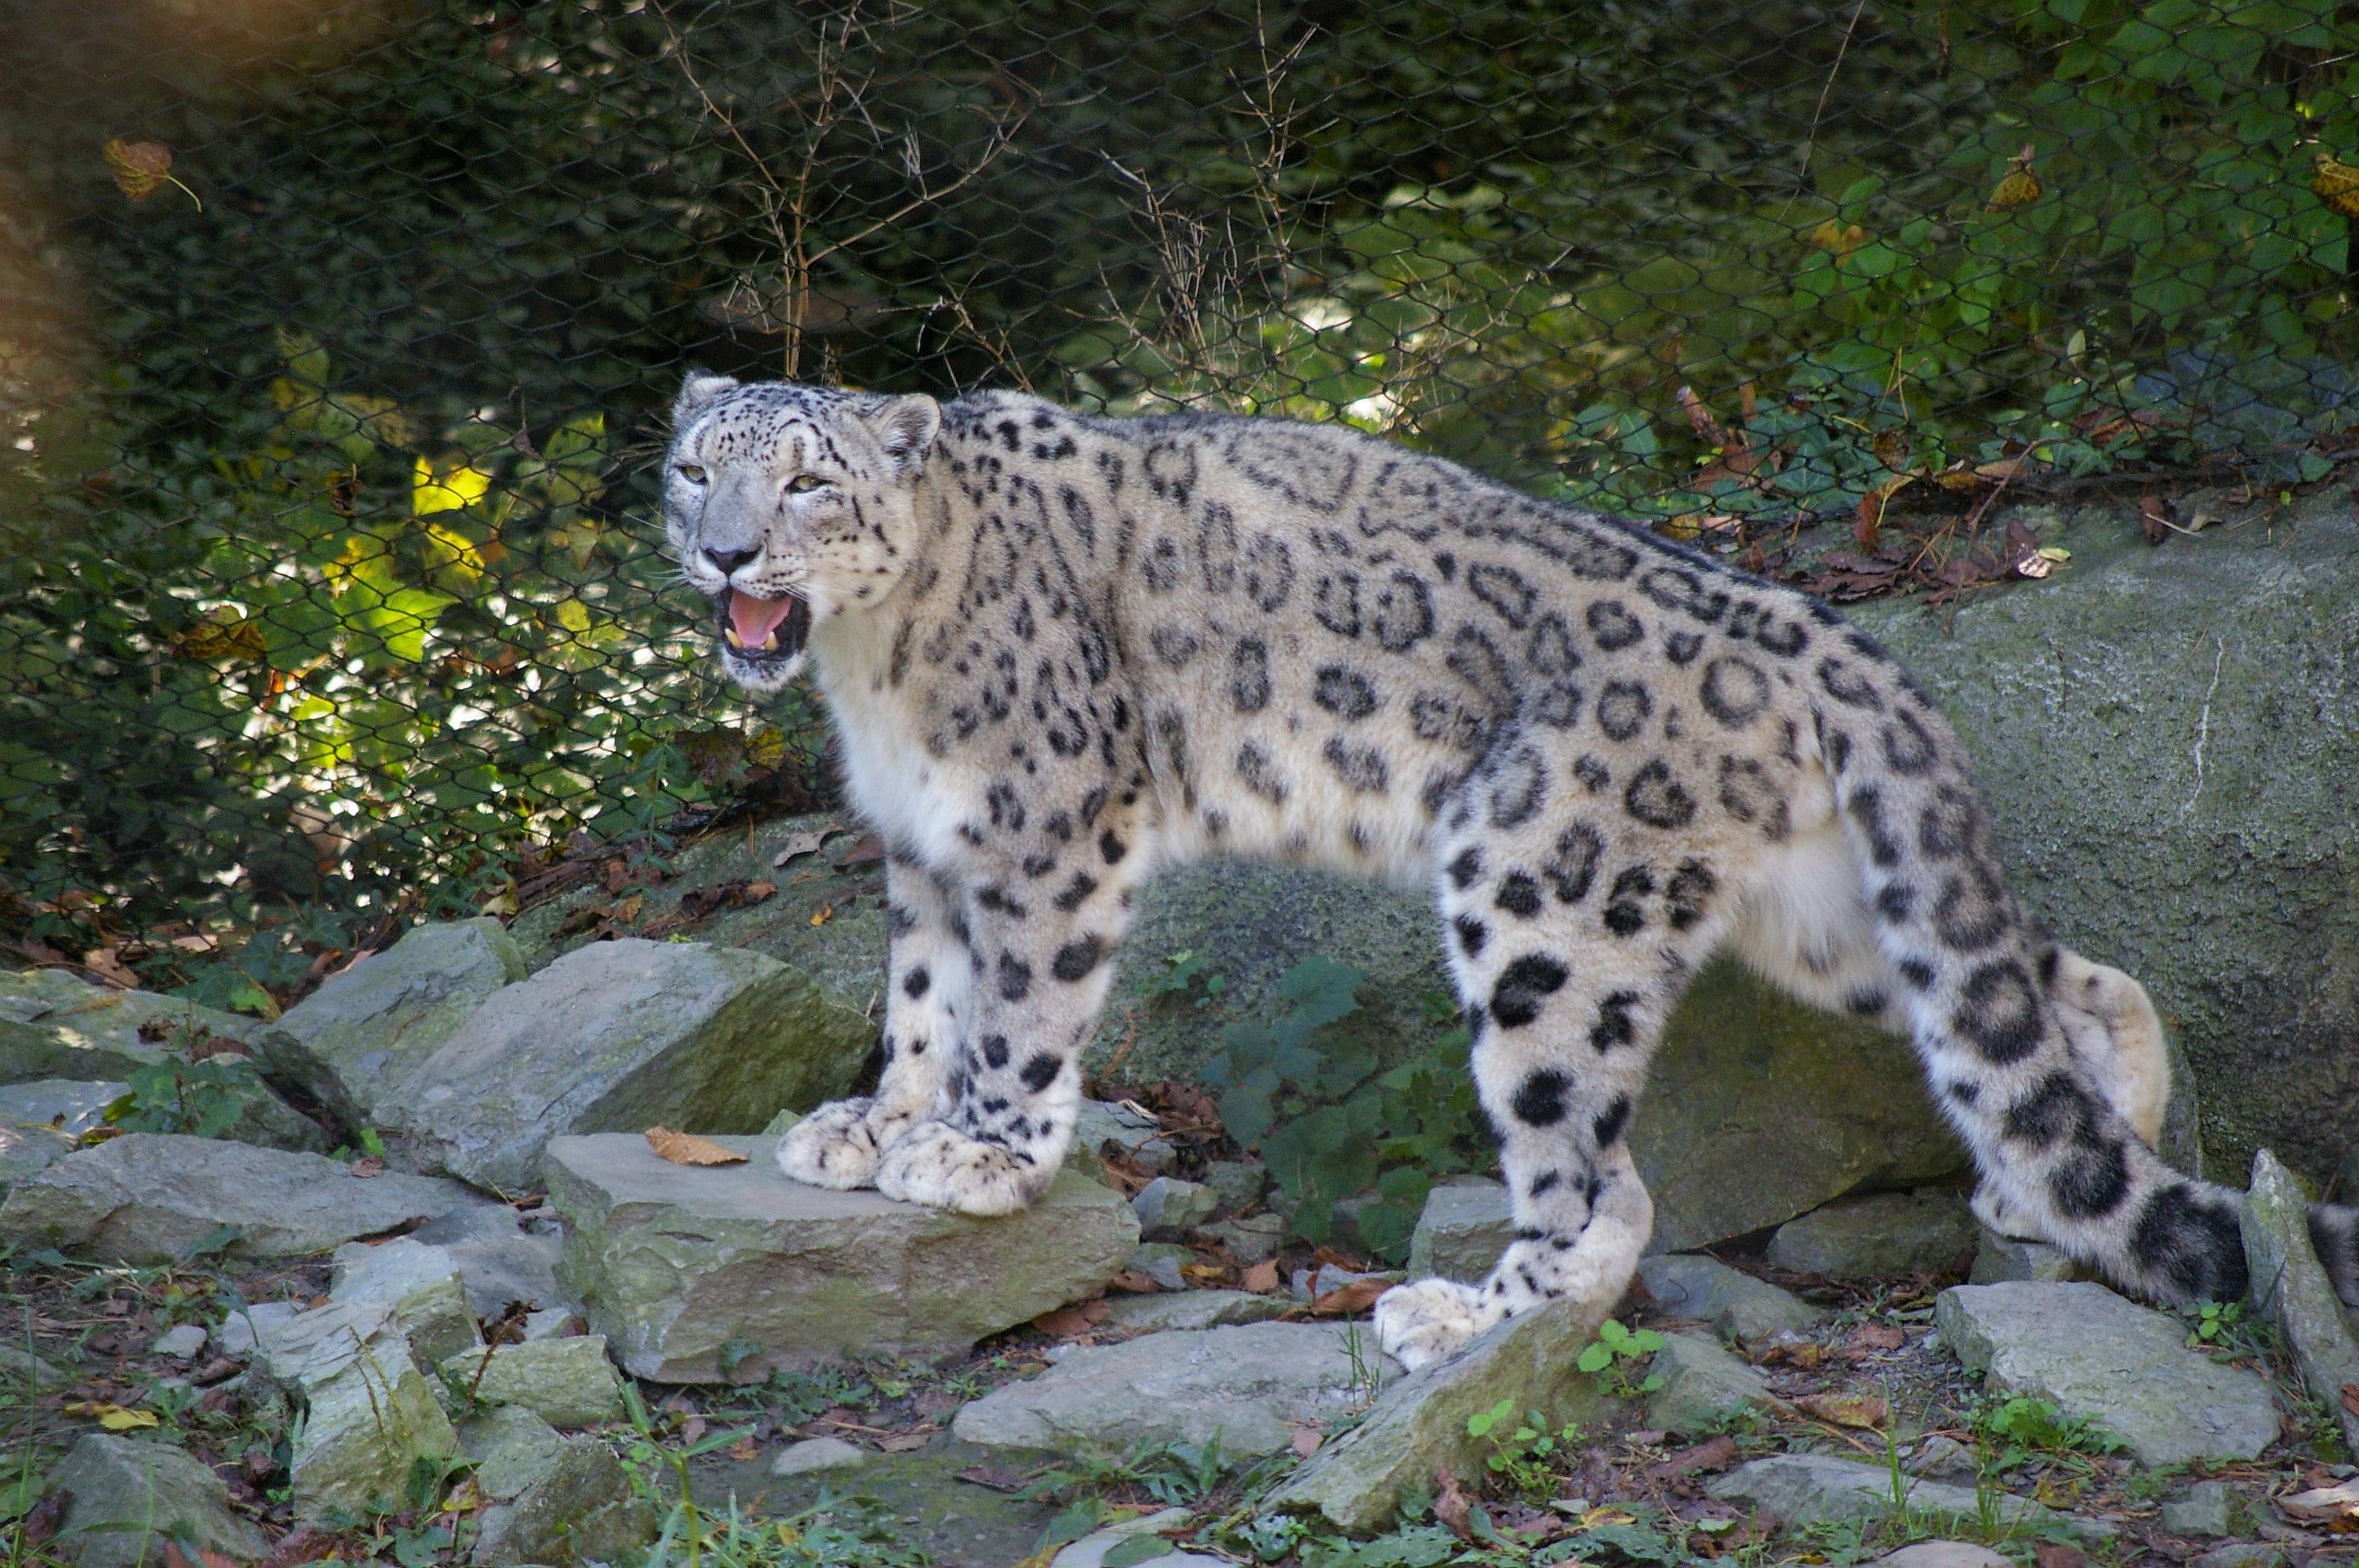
{"x":762,"y":630}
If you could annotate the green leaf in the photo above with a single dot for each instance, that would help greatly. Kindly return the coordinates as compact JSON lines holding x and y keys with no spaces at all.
{"x":1142,"y":1547}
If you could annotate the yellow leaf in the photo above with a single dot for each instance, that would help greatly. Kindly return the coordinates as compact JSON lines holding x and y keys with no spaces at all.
{"x":826,"y":912}
{"x":573,"y":615}
{"x":114,"y":1418}
{"x":2019,"y":187}
{"x":687,"y":1148}
{"x":142,"y":168}
{"x":1841,"y":238}
{"x":2054,"y":553}
{"x":430,"y":491}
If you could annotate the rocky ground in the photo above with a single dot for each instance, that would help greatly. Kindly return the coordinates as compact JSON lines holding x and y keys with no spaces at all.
{"x":400,"y":1276}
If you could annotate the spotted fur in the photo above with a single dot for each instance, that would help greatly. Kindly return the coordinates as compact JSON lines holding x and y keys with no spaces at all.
{"x":1062,"y":650}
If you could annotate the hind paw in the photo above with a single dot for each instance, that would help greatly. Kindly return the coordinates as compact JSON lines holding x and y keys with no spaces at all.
{"x":1419,"y":1324}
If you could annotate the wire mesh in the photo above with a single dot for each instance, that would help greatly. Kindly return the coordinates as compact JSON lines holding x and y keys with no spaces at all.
{"x":335,"y":335}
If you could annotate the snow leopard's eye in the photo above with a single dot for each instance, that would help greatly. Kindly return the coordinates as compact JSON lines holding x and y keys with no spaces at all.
{"x":692,"y":472}
{"x":804,"y":483}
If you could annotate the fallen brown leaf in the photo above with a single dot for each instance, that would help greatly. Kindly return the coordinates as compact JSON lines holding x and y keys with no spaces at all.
{"x":40,"y":1525}
{"x":2337,"y":1507}
{"x":1305,"y":1442}
{"x":745,"y":1450}
{"x":905,"y":1442}
{"x":994,"y":1480}
{"x":367,"y":1166}
{"x":865,"y":850}
{"x":801,"y":844}
{"x":306,"y":1543}
{"x":2056,"y":1554}
{"x":1346,"y":1301}
{"x":1068,"y":1320}
{"x":2350,"y":1398}
{"x":1134,"y":1280}
{"x":687,"y":1148}
{"x":1880,"y":1336}
{"x":760,"y":891}
{"x":1865,"y":1411}
{"x":1452,"y":1507}
{"x":1261,"y":1278}
{"x":140,"y":169}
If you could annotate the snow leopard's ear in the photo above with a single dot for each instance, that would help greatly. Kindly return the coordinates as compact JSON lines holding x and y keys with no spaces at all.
{"x":905,"y":428}
{"x":699,"y":390}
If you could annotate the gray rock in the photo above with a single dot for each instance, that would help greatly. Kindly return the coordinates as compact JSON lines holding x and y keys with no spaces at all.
{"x":501,"y":1259}
{"x":369,"y":1416}
{"x":1255,"y":1238}
{"x":1100,"y":1124}
{"x":179,"y":1342}
{"x":2207,"y":1507}
{"x":2291,"y":1289}
{"x":28,"y":1152}
{"x":580,"y":1511}
{"x":129,"y":1496}
{"x":1236,"y":1184}
{"x":2092,"y":1355}
{"x":622,"y":1034}
{"x":2243,"y":1555}
{"x":817,"y":1453}
{"x":511,"y":1448}
{"x":674,"y":1263}
{"x":1735,"y":1304}
{"x":566,"y":1382}
{"x":550,"y":1323}
{"x":354,"y":1043}
{"x":21,"y":1371}
{"x":245,"y":1326}
{"x":1167,"y":1206}
{"x":1940,"y":1458}
{"x":69,"y":1105}
{"x":1461,"y":1232}
{"x":1943,"y":1554}
{"x":1161,"y":1263}
{"x":1892,"y":1233}
{"x":55,"y":1026}
{"x":2220,"y":874}
{"x":1419,"y":1422}
{"x":1806,"y":1490}
{"x":1091,"y":1550}
{"x":1999,"y":1260}
{"x":149,"y":1197}
{"x":1190,"y":1310}
{"x":1705,"y":1386}
{"x":1250,"y":1386}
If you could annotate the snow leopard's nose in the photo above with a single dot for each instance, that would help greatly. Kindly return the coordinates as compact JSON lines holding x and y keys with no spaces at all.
{"x":727,"y":561}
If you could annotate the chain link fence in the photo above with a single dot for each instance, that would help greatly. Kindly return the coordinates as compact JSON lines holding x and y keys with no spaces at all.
{"x":335,"y":337}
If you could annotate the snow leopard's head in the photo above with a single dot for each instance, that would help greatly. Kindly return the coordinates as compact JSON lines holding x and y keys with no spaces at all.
{"x":788,"y":505}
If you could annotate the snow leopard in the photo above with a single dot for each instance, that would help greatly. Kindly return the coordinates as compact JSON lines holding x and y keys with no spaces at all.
{"x":1062,"y":650}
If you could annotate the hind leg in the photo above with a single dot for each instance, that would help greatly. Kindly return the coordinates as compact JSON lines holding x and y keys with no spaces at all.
{"x":1569,"y":964}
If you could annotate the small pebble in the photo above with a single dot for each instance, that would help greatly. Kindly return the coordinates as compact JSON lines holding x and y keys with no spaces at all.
{"x":817,"y":1453}
{"x":179,"y":1343}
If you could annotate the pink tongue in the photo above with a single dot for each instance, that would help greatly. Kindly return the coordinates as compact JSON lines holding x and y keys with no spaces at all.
{"x":755,"y":619}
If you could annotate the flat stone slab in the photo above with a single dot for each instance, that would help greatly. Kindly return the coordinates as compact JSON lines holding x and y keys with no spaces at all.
{"x":1249,"y":1385}
{"x":41,"y":1120}
{"x":622,"y":1034}
{"x":2094,"y":1356}
{"x":149,"y":1197}
{"x":2290,"y":1288}
{"x":1418,"y":1423}
{"x":673,"y":1263}
{"x":1733,"y":1302}
{"x":1891,"y":1233}
{"x":1818,"y":1488}
{"x":1461,"y":1232}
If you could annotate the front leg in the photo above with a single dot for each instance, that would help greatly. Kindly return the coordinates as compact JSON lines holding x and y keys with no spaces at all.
{"x":929,"y":977}
{"x":1043,"y":947}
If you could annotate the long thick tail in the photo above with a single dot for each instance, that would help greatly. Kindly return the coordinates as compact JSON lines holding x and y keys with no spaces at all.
{"x":2037,"y":1119}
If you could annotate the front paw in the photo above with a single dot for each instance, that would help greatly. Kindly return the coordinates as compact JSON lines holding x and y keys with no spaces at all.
{"x":1419,"y":1324}
{"x":838,"y":1144}
{"x":936,"y":1165}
